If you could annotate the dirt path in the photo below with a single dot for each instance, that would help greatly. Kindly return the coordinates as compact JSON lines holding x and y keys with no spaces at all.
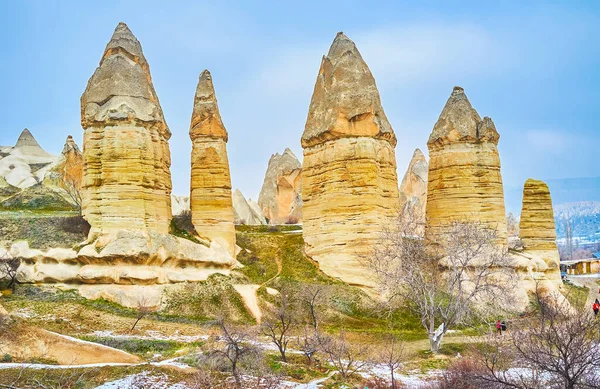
{"x":248,"y":294}
{"x":248,"y":291}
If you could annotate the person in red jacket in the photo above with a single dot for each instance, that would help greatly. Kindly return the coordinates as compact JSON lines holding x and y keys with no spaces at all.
{"x":596,"y":307}
{"x":499,"y":327}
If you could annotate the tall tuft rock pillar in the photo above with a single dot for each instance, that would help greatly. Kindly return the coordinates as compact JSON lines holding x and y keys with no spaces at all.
{"x":126,"y":178}
{"x":464,"y":180}
{"x":210,"y":196}
{"x":349,"y":180}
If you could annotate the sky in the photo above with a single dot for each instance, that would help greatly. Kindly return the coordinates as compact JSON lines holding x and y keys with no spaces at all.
{"x":533,"y":67}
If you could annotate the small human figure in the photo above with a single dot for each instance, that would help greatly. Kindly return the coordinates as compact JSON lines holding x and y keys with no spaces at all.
{"x":503,"y":325}
{"x":596,"y":307}
{"x":499,"y":327}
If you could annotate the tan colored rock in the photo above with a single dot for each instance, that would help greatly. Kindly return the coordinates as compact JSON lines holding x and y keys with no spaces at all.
{"x":280,"y":198}
{"x":126,"y":178}
{"x":464,"y":180}
{"x":536,"y":228}
{"x":349,"y":181}
{"x":246,"y":212}
{"x":210,"y":196}
{"x":413,"y":190}
{"x":67,"y":172}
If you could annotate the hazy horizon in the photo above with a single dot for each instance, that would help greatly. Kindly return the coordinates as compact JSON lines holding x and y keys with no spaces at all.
{"x":531,"y":68}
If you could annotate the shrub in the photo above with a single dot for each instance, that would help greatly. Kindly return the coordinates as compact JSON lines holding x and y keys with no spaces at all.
{"x":75,"y":225}
{"x":7,"y":358}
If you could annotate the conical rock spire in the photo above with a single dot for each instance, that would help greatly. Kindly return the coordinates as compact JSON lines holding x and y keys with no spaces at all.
{"x":26,"y":139}
{"x":126,"y":180}
{"x":460,"y":122}
{"x":345,"y":101}
{"x":121,"y":88}
{"x":464,"y":178}
{"x":206,"y":119}
{"x":349,"y":179}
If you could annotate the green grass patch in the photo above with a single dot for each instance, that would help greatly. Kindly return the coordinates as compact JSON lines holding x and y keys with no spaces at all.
{"x":143,"y":347}
{"x":577,"y":295}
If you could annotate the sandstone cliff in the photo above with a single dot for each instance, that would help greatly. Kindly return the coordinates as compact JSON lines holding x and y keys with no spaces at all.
{"x":246,"y":211}
{"x":67,"y":172}
{"x":126,"y":178}
{"x":210,"y":195}
{"x":464,"y":180}
{"x":280,"y":198}
{"x":349,"y":181}
{"x":413,"y":189}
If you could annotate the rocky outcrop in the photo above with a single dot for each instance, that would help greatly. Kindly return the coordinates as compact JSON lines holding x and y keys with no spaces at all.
{"x":210,"y":196}
{"x":280,"y":198}
{"x":126,"y":184}
{"x":126,"y":178}
{"x":25,"y":164}
{"x":413,"y":190}
{"x":180,"y":204}
{"x":536,"y":228}
{"x":246,"y":211}
{"x":464,"y":180}
{"x":66,"y":173}
{"x":349,"y":181}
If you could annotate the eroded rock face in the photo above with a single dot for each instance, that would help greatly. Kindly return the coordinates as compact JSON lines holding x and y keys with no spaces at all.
{"x":413,"y":189}
{"x":67,"y":172}
{"x":246,"y":211}
{"x":349,"y":181}
{"x":126,"y":178}
{"x":280,"y":198}
{"x":536,"y":228}
{"x":210,"y":196}
{"x":464,"y":180}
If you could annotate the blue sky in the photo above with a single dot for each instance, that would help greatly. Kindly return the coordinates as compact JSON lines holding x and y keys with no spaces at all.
{"x":533,"y":68}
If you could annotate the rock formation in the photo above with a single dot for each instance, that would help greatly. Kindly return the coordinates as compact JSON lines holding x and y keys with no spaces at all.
{"x":129,"y":254}
{"x":180,"y":204}
{"x":210,"y":196}
{"x":66,"y":173}
{"x":349,"y":181}
{"x":25,"y":164}
{"x":537,"y":230}
{"x":464,"y":181}
{"x":246,"y":211}
{"x":413,"y":189}
{"x":280,"y":198}
{"x":126,"y":178}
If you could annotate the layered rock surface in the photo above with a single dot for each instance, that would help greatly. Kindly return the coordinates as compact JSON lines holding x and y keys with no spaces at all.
{"x":464,"y":180}
{"x":280,"y":197}
{"x":349,"y":181}
{"x":67,"y":172}
{"x":126,"y":178}
{"x":210,"y":196}
{"x":537,"y":230}
{"x":413,"y":190}
{"x":246,"y":211}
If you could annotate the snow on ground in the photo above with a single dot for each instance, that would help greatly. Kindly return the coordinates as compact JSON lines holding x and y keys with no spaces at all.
{"x":152,"y":335}
{"x":143,"y":380}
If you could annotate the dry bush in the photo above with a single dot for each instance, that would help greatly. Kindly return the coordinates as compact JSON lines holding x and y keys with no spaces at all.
{"x":280,"y":320}
{"x":75,"y":225}
{"x":459,"y":375}
{"x":8,"y":269}
{"x":347,"y":357}
{"x":291,"y":220}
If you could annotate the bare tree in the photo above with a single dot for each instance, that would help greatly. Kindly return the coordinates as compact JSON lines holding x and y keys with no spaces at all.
{"x":72,"y":186}
{"x":8,"y":268}
{"x":444,"y":283}
{"x":308,"y":343}
{"x":314,"y":298}
{"x":555,"y":348}
{"x":143,"y":309}
{"x":391,"y":355}
{"x":278,"y":323}
{"x":238,"y":345}
{"x":347,"y":357}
